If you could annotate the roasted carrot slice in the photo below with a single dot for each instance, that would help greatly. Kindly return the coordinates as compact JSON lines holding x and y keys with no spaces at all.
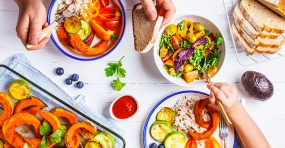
{"x":198,"y":112}
{"x":28,"y":103}
{"x":51,"y":119}
{"x":8,"y":107}
{"x":60,"y":112}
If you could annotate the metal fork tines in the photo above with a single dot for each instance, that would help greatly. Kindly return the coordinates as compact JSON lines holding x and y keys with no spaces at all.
{"x":223,"y":131}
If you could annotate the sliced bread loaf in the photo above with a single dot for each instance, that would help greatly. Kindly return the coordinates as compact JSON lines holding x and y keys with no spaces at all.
{"x":263,"y":42}
{"x":249,"y":29}
{"x":261,"y":17}
{"x":250,"y":50}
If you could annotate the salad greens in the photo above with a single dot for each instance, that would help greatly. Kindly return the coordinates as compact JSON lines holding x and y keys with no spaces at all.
{"x":165,"y":41}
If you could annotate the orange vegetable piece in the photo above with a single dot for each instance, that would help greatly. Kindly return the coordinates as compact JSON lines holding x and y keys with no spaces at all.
{"x":169,"y":62}
{"x":63,"y":35}
{"x":8,"y":107}
{"x":7,"y":145}
{"x":69,"y":136}
{"x":191,"y":144}
{"x":212,"y":143}
{"x":28,"y":103}
{"x":100,"y":31}
{"x":33,"y":110}
{"x":198,"y":110}
{"x":16,"y":120}
{"x":51,"y":119}
{"x":60,"y":112}
{"x":214,"y":122}
{"x":80,"y":46}
{"x":175,"y":53}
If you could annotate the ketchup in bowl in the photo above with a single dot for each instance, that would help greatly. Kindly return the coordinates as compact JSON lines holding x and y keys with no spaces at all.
{"x":124,"y":107}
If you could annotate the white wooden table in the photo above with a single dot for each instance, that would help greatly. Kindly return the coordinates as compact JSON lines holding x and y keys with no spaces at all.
{"x":143,"y":79}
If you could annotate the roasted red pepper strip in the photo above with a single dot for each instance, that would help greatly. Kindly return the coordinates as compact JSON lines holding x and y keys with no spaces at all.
{"x":105,"y":3}
{"x":100,"y":31}
{"x":80,"y":46}
{"x":109,"y":14}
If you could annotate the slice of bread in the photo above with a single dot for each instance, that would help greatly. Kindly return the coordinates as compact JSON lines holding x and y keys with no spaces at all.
{"x":249,"y":29}
{"x":250,"y":50}
{"x":263,"y":42}
{"x":144,"y":30}
{"x":278,"y":8}
{"x":261,"y":17}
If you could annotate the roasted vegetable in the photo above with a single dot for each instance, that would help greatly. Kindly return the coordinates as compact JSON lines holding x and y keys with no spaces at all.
{"x":175,"y":140}
{"x":72,"y":24}
{"x":198,"y":112}
{"x":170,"y":30}
{"x":175,"y":41}
{"x":63,"y":35}
{"x":166,"y":114}
{"x":181,"y":58}
{"x":201,"y":41}
{"x":51,"y":119}
{"x":91,"y":144}
{"x":15,"y":121}
{"x":101,"y":32}
{"x":191,"y":144}
{"x":172,"y":71}
{"x":104,"y":139}
{"x":19,"y":89}
{"x":28,"y":103}
{"x":80,"y":46}
{"x":188,"y":68}
{"x":160,"y":129}
{"x":169,"y":62}
{"x":163,"y":52}
{"x":60,"y":112}
{"x":257,"y":85}
{"x":69,"y":140}
{"x":8,"y":107}
{"x":190,"y":76}
{"x":198,"y":27}
{"x":212,"y":143}
{"x":182,"y":29}
{"x":85,"y":30}
{"x":214,"y":122}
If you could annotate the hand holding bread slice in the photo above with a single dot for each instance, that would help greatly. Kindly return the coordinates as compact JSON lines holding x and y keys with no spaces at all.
{"x":144,"y":30}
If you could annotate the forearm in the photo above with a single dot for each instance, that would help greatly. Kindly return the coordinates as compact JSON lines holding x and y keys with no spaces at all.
{"x":250,"y":134}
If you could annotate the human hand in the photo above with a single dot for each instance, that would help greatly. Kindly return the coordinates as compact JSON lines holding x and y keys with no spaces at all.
{"x":164,"y":8}
{"x":225,"y":93}
{"x":31,"y":20}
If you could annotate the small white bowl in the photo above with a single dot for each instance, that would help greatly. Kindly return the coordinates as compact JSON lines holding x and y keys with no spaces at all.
{"x":208,"y":25}
{"x":111,"y":106}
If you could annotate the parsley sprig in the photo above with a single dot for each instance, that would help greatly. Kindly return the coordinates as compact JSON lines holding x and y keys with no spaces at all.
{"x":116,"y":68}
{"x":55,"y":137}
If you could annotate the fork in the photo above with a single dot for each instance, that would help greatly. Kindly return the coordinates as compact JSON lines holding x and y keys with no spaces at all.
{"x":223,"y":131}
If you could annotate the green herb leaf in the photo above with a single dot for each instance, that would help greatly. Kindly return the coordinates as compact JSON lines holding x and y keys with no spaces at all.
{"x":111,"y":70}
{"x":57,"y":135}
{"x":121,"y":73}
{"x":118,"y":85}
{"x":44,"y":143}
{"x":165,"y":41}
{"x":219,"y":41}
{"x":185,"y":44}
{"x":114,"y":37}
{"x":45,"y":128}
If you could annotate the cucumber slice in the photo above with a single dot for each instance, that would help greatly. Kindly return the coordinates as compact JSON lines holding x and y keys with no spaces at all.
{"x":85,"y":30}
{"x":175,"y":140}
{"x":19,"y":89}
{"x":159,"y":130}
{"x":104,"y":139}
{"x":166,"y":114}
{"x":72,"y":24}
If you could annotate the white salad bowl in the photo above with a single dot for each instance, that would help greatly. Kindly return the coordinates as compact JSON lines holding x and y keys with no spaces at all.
{"x":209,"y":25}
{"x":72,"y":53}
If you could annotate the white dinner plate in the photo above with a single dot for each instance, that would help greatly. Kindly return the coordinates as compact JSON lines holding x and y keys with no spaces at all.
{"x":170,"y":101}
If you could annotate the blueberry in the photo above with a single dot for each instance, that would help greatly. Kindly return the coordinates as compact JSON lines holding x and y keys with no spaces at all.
{"x":68,"y":81}
{"x":74,"y":77}
{"x":152,"y":145}
{"x":160,"y":146}
{"x":59,"y":71}
{"x":79,"y":84}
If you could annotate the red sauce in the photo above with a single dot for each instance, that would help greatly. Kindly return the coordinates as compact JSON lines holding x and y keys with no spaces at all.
{"x":124,"y":107}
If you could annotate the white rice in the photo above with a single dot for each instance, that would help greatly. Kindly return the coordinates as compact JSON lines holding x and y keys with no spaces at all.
{"x":71,"y":7}
{"x":185,"y":118}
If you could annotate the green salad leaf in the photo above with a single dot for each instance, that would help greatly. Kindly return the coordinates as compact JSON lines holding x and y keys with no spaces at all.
{"x":57,"y":135}
{"x":219,"y":40}
{"x":185,"y":44}
{"x":165,"y":41}
{"x":181,"y":25}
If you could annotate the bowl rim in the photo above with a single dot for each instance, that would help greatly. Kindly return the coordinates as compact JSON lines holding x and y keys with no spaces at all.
{"x":113,"y":102}
{"x":87,"y":59}
{"x":172,"y":80}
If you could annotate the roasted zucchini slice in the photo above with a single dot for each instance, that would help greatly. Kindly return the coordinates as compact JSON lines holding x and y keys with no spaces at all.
{"x":72,"y":24}
{"x":175,"y":140}
{"x":85,"y":30}
{"x":159,"y":130}
{"x":19,"y":89}
{"x":166,"y":114}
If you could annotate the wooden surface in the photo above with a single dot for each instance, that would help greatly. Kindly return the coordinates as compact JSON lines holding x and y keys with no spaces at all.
{"x":143,"y":79}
